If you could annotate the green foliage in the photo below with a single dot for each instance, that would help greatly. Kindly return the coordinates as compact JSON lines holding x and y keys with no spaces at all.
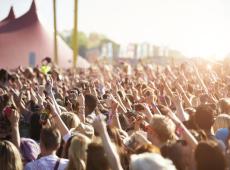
{"x":94,"y":40}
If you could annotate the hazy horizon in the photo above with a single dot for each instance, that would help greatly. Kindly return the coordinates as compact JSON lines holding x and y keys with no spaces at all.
{"x":195,"y":27}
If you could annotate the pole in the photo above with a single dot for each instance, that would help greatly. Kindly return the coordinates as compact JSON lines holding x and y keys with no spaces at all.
{"x":75,"y":34}
{"x":55,"y":33}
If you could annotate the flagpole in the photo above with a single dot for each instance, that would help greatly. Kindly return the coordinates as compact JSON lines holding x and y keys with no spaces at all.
{"x":75,"y":34}
{"x":55,"y":33}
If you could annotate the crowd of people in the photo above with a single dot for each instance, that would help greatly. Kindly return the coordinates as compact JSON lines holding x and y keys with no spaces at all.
{"x":115,"y":117}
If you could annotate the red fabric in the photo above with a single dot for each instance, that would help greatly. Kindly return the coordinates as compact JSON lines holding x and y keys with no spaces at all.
{"x":19,"y":37}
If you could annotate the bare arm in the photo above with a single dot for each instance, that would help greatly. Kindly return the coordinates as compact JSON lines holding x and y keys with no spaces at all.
{"x":14,"y":121}
{"x":185,"y":97}
{"x":56,"y":111}
{"x":110,"y":150}
{"x":184,"y":131}
{"x":56,"y":119}
{"x":200,"y":79}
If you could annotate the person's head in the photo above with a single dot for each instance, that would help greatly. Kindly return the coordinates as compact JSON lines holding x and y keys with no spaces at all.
{"x":35,"y":126}
{"x":50,"y":140}
{"x":224,"y":105}
{"x":221,"y":121}
{"x":46,"y":61}
{"x":29,"y":150}
{"x":10,"y":158}
{"x":96,"y":157}
{"x":78,"y":152}
{"x":90,"y":104}
{"x":4,"y":75}
{"x":178,"y":152}
{"x":208,"y":156}
{"x":70,"y":119}
{"x":161,"y":130}
{"x":149,"y":161}
{"x":204,"y":117}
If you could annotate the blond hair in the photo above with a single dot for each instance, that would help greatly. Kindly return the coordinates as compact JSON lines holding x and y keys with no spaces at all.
{"x":149,"y":161}
{"x":70,"y":119}
{"x":164,"y":127}
{"x":221,"y":121}
{"x":78,"y":152}
{"x":10,"y":158}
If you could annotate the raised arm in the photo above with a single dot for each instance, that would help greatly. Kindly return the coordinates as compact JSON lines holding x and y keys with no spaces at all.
{"x":110,"y":150}
{"x":200,"y":79}
{"x":185,"y":97}
{"x":185,"y":133}
{"x":14,"y":121}
{"x":179,"y":107}
{"x":56,"y":111}
{"x":56,"y":120}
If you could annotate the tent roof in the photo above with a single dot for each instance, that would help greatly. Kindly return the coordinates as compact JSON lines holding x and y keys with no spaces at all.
{"x":25,"y":35}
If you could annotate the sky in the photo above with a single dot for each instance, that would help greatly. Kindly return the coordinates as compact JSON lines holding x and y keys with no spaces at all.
{"x":195,"y":27}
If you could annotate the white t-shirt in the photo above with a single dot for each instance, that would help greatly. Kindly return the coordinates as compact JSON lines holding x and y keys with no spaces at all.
{"x":47,"y":163}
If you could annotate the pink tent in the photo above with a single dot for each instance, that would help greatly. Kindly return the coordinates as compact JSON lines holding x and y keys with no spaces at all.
{"x":24,"y":41}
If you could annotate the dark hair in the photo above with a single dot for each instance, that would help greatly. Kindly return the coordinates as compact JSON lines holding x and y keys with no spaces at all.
{"x":90,"y":104}
{"x":47,"y":59}
{"x":4,"y":75}
{"x":50,"y":138}
{"x":208,"y":156}
{"x":35,"y":126}
{"x":4,"y":100}
{"x":174,"y":152}
{"x":204,"y":117}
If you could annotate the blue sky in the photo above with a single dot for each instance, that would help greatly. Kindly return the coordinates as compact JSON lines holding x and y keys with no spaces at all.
{"x":196,"y":27}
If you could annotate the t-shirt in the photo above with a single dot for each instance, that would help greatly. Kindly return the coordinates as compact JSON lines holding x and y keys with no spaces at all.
{"x":47,"y":163}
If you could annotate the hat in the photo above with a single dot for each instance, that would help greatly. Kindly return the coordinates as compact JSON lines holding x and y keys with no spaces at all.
{"x":29,"y":149}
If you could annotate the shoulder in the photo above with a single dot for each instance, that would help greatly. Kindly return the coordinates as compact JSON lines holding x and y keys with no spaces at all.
{"x":29,"y":166}
{"x":63,"y":164}
{"x":64,"y":161}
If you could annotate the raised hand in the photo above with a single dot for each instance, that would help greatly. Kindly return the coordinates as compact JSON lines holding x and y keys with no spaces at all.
{"x":99,"y":124}
{"x":51,"y":105}
{"x":14,"y":117}
{"x":49,"y":85}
